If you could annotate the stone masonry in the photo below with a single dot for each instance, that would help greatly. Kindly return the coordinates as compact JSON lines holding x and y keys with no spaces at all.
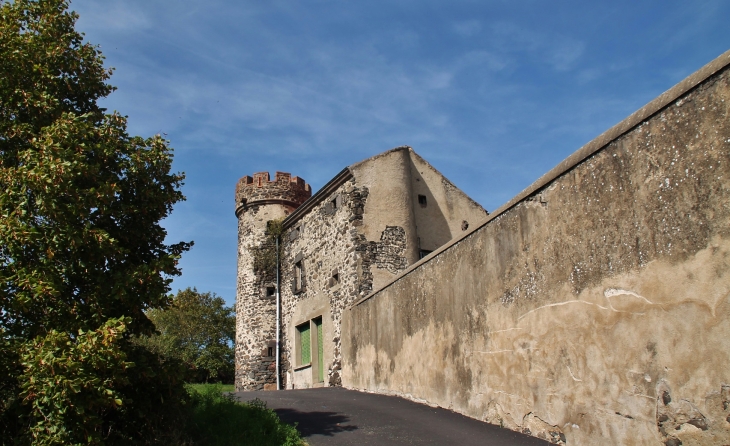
{"x":258,"y":201}
{"x":336,"y":248}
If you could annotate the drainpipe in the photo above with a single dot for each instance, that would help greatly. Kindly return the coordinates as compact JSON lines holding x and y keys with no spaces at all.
{"x":278,"y":318}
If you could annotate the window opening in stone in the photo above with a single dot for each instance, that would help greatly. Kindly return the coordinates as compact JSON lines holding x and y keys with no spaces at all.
{"x":304,"y":344}
{"x":271,"y":291}
{"x":298,"y":276}
{"x":335,"y":278}
{"x":270,"y":351}
{"x":423,"y":253}
{"x":422,"y":201}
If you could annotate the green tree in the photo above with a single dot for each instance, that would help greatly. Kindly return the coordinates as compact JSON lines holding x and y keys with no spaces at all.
{"x":81,"y":247}
{"x":199,"y":330}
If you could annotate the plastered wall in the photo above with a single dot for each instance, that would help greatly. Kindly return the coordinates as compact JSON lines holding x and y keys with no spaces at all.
{"x":594,"y":308}
{"x":366,"y":232}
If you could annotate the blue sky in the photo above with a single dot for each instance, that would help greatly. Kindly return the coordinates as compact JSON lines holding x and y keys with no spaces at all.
{"x":492,"y":93}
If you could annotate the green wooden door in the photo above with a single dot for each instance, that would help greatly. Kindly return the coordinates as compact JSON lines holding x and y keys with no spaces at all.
{"x":305,"y":341}
{"x":320,"y":349}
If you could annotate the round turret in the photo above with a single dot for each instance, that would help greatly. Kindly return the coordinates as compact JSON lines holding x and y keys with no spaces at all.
{"x":285,"y":189}
{"x":258,"y":202}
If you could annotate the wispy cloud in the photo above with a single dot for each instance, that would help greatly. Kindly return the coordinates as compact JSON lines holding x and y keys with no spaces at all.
{"x":492,"y":93}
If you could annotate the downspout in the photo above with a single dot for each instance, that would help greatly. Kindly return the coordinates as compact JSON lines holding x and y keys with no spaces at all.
{"x":278,"y":318}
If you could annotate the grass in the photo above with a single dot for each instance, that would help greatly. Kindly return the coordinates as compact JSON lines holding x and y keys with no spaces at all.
{"x":220,"y":420}
{"x":200,"y":388}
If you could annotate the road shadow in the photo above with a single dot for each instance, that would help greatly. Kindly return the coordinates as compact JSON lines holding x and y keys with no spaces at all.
{"x":316,"y":423}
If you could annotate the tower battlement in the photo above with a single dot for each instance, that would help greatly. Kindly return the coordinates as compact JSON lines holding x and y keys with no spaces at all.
{"x":284,"y":188}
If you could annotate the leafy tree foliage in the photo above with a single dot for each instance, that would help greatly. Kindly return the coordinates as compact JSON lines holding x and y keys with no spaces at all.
{"x":199,"y":330}
{"x":82,"y":253}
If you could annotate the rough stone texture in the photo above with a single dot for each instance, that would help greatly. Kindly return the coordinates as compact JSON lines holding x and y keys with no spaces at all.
{"x":366,"y":232}
{"x":255,"y":312}
{"x":326,"y":243}
{"x":594,"y":311}
{"x":293,"y":190}
{"x":358,"y":233}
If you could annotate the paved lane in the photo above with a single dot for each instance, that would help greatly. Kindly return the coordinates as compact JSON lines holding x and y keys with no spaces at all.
{"x":335,"y":416}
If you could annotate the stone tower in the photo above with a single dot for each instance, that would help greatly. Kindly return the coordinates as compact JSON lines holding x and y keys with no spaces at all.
{"x":258,"y":201}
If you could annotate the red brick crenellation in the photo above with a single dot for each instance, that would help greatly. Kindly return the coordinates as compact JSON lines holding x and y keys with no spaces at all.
{"x":284,"y":187}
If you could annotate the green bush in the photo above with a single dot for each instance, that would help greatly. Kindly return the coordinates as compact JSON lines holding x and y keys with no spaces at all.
{"x":220,"y":420}
{"x":70,"y":383}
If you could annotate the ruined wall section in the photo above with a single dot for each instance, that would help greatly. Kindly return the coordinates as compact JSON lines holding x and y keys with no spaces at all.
{"x":594,"y":309}
{"x":336,"y":260}
{"x":387,"y":176}
{"x":259,"y":201}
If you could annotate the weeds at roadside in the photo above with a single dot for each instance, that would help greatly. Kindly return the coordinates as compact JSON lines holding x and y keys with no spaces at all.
{"x":221,"y":420}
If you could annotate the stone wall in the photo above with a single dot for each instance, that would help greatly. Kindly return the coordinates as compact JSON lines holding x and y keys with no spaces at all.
{"x":357,"y":233}
{"x":591,"y":309}
{"x":255,"y":311}
{"x":259,"y":201}
{"x":326,"y":242}
{"x":293,"y":190}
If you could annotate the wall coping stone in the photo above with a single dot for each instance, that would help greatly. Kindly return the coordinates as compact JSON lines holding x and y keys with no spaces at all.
{"x":592,"y":147}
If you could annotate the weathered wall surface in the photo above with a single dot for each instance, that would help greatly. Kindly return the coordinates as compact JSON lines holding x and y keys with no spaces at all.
{"x":595,"y":310}
{"x":363,"y":230}
{"x":390,"y":204}
{"x":259,"y":200}
{"x":326,"y":241}
{"x":447,"y":211}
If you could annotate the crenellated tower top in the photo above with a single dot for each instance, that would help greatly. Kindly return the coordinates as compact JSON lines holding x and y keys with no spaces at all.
{"x":259,"y":189}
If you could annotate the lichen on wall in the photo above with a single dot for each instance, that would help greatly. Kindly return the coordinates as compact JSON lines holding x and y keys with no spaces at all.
{"x":592,"y":311}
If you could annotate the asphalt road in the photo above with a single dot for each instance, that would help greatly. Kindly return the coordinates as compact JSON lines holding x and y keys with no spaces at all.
{"x":335,"y":416}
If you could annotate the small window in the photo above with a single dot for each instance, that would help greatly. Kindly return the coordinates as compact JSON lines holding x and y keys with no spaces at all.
{"x":270,"y":351}
{"x":298,"y":276}
{"x":423,"y":253}
{"x":270,"y":291}
{"x":334,"y":203}
{"x":304,"y":343}
{"x":422,"y":201}
{"x":335,"y":279}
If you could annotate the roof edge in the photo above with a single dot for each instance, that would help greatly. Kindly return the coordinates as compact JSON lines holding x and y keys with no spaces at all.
{"x":594,"y":146}
{"x":344,"y":175}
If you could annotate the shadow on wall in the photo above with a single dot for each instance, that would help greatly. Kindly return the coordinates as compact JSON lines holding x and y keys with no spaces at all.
{"x":316,"y":423}
{"x":431,"y":224}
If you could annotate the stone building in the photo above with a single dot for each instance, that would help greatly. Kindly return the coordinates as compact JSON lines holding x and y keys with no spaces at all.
{"x":365,"y":226}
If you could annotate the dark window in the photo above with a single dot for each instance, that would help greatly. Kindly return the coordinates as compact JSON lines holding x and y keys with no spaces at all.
{"x":422,"y":201}
{"x":335,"y":279}
{"x":270,"y":291}
{"x":270,"y":351}
{"x":423,"y":253}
